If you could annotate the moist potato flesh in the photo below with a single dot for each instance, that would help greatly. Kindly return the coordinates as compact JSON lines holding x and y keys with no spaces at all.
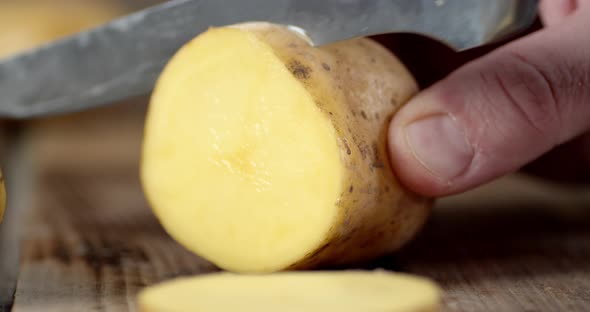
{"x":239,"y":162}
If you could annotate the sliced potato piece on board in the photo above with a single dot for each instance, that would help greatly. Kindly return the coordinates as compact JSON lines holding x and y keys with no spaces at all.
{"x":345,"y":291}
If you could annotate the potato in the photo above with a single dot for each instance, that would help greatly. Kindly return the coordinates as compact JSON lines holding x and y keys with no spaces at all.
{"x":262,"y":153}
{"x":25,"y":24}
{"x":294,"y":291}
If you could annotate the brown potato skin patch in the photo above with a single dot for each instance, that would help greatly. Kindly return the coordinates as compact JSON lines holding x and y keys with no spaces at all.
{"x":352,"y":81}
{"x":299,"y":70}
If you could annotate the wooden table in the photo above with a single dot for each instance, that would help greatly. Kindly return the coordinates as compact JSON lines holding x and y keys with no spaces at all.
{"x":87,"y":241}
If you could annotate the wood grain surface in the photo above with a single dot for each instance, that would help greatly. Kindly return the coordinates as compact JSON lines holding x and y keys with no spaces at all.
{"x":90,"y":242}
{"x":514,"y":245}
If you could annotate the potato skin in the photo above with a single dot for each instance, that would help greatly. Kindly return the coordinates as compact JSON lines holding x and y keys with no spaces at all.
{"x":359,"y":85}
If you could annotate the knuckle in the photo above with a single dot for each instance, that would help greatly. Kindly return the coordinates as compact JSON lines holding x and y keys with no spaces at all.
{"x":529,"y":89}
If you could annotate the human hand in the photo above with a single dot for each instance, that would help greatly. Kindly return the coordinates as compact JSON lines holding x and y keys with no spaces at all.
{"x":502,"y":111}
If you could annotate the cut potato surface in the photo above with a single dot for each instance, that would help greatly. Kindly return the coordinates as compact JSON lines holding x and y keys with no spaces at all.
{"x":353,"y":291}
{"x":262,"y":153}
{"x":253,"y":157}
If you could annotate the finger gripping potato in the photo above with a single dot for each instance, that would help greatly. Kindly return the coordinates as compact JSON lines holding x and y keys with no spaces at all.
{"x":262,"y":153}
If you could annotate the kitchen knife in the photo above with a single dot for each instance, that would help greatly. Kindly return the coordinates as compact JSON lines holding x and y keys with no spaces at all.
{"x":124,"y":57}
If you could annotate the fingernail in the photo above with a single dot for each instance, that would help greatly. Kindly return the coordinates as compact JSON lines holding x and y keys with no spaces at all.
{"x":440,"y":145}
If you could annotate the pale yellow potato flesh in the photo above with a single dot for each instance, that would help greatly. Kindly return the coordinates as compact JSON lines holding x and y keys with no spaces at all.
{"x":251,"y":165}
{"x":352,"y":291}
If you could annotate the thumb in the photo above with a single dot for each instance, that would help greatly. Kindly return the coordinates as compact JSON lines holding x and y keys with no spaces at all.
{"x":497,"y":113}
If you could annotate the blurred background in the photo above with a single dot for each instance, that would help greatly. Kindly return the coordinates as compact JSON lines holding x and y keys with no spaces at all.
{"x":26,"y":24}
{"x":79,"y":236}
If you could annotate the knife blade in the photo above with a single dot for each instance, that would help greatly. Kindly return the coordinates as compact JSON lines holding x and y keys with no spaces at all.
{"x":123,"y":58}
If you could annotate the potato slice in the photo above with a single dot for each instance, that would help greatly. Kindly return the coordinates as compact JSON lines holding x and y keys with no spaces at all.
{"x":262,"y":153}
{"x":353,"y":291}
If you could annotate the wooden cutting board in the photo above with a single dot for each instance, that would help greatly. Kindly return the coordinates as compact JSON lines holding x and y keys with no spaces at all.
{"x":89,"y":241}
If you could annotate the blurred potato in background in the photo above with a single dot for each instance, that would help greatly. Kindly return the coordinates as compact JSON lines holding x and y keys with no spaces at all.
{"x":25,"y":24}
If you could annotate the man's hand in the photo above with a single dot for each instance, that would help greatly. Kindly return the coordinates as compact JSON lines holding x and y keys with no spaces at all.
{"x":498,"y":113}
